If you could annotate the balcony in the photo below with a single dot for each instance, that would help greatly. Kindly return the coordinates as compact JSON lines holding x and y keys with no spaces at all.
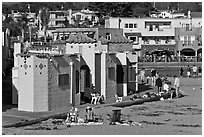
{"x":158,"y":32}
{"x":137,"y":45}
{"x":158,"y":42}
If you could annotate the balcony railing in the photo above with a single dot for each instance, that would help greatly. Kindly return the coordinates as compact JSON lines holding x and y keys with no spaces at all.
{"x":171,"y":59}
{"x":158,"y":42}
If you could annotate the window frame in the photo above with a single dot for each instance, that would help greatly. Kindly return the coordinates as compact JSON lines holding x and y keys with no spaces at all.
{"x":63,"y":80}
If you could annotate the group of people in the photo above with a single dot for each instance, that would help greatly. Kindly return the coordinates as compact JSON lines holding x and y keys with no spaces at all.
{"x":192,"y":72}
{"x":161,"y":83}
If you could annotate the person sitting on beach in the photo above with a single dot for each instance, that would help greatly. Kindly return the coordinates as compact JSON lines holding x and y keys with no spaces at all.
{"x":146,"y":95}
{"x":135,"y":96}
{"x":166,"y":86}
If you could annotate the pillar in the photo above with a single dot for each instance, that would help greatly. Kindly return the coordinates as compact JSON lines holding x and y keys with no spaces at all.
{"x":71,"y":83}
{"x":136,"y":71}
{"x":196,"y":56}
{"x":166,"y":59}
{"x":179,"y":56}
{"x":154,"y":58}
{"x":15,"y":85}
{"x":103,"y":74}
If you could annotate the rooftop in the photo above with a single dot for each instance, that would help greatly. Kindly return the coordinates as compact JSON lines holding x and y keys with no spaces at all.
{"x":79,"y":38}
{"x":115,"y":39}
{"x":196,"y":14}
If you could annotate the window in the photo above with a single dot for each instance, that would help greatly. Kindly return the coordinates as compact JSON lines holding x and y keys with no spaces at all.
{"x":132,"y":73}
{"x":133,"y":38}
{"x":108,"y":36}
{"x":77,"y":81}
{"x":111,"y":73}
{"x":63,"y":80}
{"x":131,"y":25}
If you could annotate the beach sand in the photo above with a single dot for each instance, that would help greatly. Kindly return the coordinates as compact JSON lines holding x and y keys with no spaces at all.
{"x":181,"y":116}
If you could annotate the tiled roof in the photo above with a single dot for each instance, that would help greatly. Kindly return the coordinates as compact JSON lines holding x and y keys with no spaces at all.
{"x":115,"y":39}
{"x":196,"y":14}
{"x":79,"y":38}
{"x":103,"y":41}
{"x":58,"y":41}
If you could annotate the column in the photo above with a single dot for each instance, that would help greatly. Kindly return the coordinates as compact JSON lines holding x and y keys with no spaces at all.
{"x":154,"y":58}
{"x":179,"y":56}
{"x":136,"y":71}
{"x":71,"y":83}
{"x":103,"y":74}
{"x":166,"y":59}
{"x":196,"y":56}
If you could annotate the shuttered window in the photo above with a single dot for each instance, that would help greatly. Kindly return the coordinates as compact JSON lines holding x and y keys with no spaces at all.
{"x":63,"y":80}
{"x":111,"y":73}
{"x":131,"y":73}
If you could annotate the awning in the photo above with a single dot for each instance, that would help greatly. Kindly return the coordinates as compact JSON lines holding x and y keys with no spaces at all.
{"x":188,"y":50}
{"x":122,"y":58}
{"x":133,"y":34}
{"x":132,"y":57}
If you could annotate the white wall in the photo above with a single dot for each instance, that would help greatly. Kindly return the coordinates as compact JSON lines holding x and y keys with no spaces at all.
{"x":88,"y":53}
{"x":175,"y":22}
{"x":26,"y":85}
{"x":40,"y":84}
{"x":103,"y":74}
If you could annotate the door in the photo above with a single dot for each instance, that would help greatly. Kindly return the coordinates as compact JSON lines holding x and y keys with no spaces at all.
{"x":82,"y":83}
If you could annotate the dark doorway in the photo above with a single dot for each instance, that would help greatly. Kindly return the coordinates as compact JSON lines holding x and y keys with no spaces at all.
{"x":120,"y":80}
{"x":188,"y":52}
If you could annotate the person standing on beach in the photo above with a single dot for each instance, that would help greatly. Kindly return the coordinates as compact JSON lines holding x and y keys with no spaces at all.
{"x":153,"y":74}
{"x":188,"y":71}
{"x":159,"y":84}
{"x":181,"y":71}
{"x":142,"y":74}
{"x":199,"y":71}
{"x":176,"y":85}
{"x":194,"y":71}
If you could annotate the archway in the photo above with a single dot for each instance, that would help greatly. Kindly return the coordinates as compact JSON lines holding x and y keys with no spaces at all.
{"x":199,"y":51}
{"x":188,"y":52}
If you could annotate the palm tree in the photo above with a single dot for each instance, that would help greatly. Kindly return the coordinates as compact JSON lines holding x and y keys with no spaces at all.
{"x":44,"y":16}
{"x":23,"y":22}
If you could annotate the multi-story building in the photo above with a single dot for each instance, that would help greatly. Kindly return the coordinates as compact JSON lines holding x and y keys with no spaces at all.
{"x":189,"y":41}
{"x":58,"y":18}
{"x":86,"y":15}
{"x":152,"y":33}
{"x":166,"y":14}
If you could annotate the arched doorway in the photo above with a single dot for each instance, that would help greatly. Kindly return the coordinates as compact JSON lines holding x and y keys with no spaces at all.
{"x":199,"y":55}
{"x":188,"y":52}
{"x":85,"y":82}
{"x":199,"y":51}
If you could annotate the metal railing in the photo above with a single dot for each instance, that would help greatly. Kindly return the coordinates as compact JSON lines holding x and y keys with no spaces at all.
{"x":170,"y":59}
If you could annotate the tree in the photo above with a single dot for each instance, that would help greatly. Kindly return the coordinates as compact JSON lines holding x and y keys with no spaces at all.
{"x":13,"y":26}
{"x":44,"y":16}
{"x":23,"y":23}
{"x":142,"y":9}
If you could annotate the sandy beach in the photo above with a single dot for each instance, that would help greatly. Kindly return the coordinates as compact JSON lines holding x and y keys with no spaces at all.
{"x":181,"y":116}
